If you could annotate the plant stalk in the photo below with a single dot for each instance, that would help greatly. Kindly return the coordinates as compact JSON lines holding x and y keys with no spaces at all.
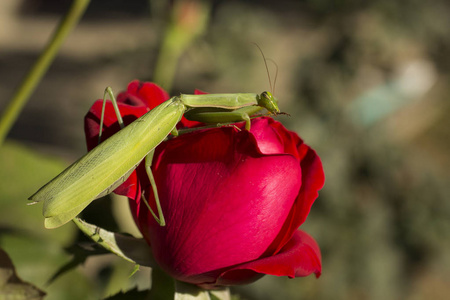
{"x":40,"y":67}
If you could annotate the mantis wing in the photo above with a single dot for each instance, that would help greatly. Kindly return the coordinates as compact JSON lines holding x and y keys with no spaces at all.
{"x":96,"y":172}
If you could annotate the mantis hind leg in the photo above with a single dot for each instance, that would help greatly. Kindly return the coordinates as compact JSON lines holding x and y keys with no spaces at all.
{"x":160,"y":217}
{"x":109,"y":91}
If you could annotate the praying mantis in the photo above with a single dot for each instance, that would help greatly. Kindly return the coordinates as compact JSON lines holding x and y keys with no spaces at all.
{"x":108,"y":165}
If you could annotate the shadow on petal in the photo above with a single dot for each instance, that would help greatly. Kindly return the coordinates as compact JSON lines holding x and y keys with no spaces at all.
{"x":299,"y":257}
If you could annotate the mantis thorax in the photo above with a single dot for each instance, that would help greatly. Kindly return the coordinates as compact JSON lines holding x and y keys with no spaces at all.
{"x":269,"y":102}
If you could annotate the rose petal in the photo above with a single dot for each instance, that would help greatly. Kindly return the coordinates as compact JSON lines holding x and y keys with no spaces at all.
{"x":199,"y":92}
{"x":147,"y":93}
{"x":223,"y":201}
{"x":299,"y":257}
{"x":230,"y":198}
{"x":289,"y":139}
{"x":312,"y":181}
{"x":269,"y":141}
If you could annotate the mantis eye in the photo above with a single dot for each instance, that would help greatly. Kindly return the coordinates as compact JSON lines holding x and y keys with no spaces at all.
{"x":269,"y":102}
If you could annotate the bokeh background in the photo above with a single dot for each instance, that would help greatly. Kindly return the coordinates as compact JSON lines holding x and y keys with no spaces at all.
{"x":366,"y":84}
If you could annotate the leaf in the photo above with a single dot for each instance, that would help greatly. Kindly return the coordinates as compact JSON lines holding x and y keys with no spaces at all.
{"x":11,"y":286}
{"x":185,"y":291}
{"x":79,"y":255}
{"x":135,"y":269}
{"x":35,"y":250}
{"x":133,"y":294}
{"x":222,"y":294}
{"x":127,"y":247}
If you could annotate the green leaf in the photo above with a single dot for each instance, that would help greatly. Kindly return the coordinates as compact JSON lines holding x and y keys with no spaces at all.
{"x":127,"y":247}
{"x":11,"y":286}
{"x":79,"y":256}
{"x":36,"y":251}
{"x":133,"y":294}
{"x":186,"y":291}
{"x":135,"y":269}
{"x":222,"y":294}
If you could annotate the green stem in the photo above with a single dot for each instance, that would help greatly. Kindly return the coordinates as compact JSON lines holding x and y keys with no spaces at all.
{"x":188,"y":20}
{"x":163,"y":286}
{"x":41,"y":66}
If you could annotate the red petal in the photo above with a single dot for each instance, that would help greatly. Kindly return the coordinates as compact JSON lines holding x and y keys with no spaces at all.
{"x":269,"y":140}
{"x":148,"y":93}
{"x":223,"y":201}
{"x":312,"y":181}
{"x":299,"y":257}
{"x":199,"y":92}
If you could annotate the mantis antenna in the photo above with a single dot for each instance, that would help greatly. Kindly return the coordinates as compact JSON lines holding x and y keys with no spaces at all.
{"x":272,"y":87}
{"x":276,"y":74}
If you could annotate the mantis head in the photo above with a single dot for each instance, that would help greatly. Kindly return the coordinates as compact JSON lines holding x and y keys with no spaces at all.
{"x":269,"y":102}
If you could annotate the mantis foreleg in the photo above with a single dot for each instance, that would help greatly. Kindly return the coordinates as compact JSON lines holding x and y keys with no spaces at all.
{"x":160,"y":218}
{"x":109,"y":91}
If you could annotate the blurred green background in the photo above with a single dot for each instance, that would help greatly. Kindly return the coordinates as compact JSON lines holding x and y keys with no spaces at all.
{"x":366,"y":84}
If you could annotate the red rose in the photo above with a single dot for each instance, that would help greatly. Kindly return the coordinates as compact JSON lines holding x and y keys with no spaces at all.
{"x":233,"y":200}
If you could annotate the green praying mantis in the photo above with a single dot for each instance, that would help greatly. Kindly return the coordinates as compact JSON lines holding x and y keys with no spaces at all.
{"x":109,"y":164}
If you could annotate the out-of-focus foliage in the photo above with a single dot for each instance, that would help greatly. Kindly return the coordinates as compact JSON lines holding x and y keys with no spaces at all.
{"x":35,"y":252}
{"x":11,"y":286}
{"x":366,"y":84}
